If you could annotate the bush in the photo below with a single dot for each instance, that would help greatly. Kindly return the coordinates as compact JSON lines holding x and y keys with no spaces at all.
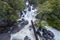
{"x":49,"y":11}
{"x":8,"y":10}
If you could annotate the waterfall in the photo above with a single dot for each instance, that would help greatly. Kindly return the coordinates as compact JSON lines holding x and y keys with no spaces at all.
{"x":28,"y":15}
{"x":26,"y":31}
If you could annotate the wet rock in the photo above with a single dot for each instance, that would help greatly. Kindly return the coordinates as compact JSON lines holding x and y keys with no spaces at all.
{"x":29,"y":9}
{"x":48,"y":34}
{"x":51,"y":34}
{"x":21,"y":13}
{"x":23,"y":20}
{"x":30,"y":26}
{"x":27,"y":38}
{"x":45,"y":34}
{"x":47,"y":37}
{"x":44,"y":31}
{"x":25,"y":12}
{"x":30,"y":29}
{"x":23,"y":16}
{"x":39,"y":29}
{"x":24,"y":23}
{"x":15,"y":29}
{"x":20,"y":20}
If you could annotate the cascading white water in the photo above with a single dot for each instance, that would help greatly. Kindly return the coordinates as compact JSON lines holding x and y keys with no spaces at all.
{"x":29,"y":15}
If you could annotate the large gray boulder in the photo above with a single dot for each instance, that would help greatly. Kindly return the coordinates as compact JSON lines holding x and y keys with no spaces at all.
{"x":48,"y":35}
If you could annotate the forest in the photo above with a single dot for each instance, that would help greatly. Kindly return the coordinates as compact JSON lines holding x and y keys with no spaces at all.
{"x":48,"y":11}
{"x":8,"y":12}
{"x":26,"y":19}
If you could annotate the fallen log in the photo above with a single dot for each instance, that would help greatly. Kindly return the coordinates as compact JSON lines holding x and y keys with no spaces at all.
{"x":34,"y":30}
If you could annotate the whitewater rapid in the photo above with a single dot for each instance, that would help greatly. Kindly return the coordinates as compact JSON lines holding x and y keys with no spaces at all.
{"x":30,"y":15}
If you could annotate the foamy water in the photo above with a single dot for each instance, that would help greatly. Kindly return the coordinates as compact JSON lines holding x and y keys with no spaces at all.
{"x":30,"y":15}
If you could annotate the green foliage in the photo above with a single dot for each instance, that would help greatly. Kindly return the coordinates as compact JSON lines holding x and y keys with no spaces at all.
{"x":8,"y":9}
{"x":41,"y":1}
{"x":16,"y":4}
{"x":54,"y":19}
{"x":49,"y":10}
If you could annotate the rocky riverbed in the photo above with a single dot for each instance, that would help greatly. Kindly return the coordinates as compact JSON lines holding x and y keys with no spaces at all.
{"x":24,"y":30}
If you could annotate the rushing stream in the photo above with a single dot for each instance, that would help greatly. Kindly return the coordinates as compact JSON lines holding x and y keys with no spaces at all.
{"x":27,"y":32}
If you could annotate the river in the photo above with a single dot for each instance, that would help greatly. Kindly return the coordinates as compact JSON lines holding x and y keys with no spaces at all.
{"x":27,"y":32}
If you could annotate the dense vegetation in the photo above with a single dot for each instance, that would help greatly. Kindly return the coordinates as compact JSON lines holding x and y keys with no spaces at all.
{"x":48,"y":13}
{"x":8,"y":10}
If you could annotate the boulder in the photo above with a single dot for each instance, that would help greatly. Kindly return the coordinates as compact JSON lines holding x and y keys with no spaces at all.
{"x":29,"y":9}
{"x":27,"y":38}
{"x":48,"y":34}
{"x":24,"y":23}
{"x":44,"y":31}
{"x":21,"y":13}
{"x":39,"y":29}
{"x":19,"y":20}
{"x":51,"y":34}
{"x":25,"y":12}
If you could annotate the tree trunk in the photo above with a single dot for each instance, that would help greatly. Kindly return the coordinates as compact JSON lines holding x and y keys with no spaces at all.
{"x":34,"y":30}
